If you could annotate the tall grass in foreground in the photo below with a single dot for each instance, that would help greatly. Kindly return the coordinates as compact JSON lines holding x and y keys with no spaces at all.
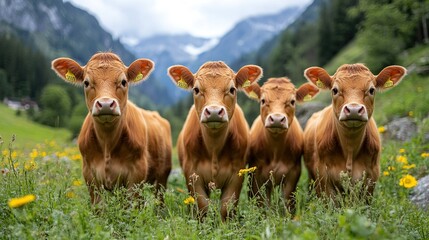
{"x":61,"y":210}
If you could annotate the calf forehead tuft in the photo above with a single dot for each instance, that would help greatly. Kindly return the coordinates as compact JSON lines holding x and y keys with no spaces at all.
{"x":353,"y":68}
{"x":104,"y":60}
{"x":278,"y":84}
{"x":215,"y":69}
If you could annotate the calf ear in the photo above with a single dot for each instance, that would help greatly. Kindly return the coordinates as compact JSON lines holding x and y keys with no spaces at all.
{"x":306,"y":92}
{"x":253,"y":91}
{"x":319,"y":77}
{"x":248,"y":75}
{"x":181,"y":76}
{"x":68,"y":69}
{"x":139,"y":70}
{"x":390,"y":76}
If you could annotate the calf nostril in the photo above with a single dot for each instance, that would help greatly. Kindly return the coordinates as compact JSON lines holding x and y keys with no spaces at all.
{"x":361,"y":110}
{"x":283,"y":120}
{"x":113,"y":104}
{"x":271,"y":119}
{"x":207,"y":112}
{"x":221,"y":112}
{"x":99,"y":104}
{"x":346,"y":110}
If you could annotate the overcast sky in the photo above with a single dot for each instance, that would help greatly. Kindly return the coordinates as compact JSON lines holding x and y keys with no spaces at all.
{"x":136,"y":19}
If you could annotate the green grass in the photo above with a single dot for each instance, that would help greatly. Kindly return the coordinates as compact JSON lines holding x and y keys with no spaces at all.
{"x":52,"y":172}
{"x":27,"y":132}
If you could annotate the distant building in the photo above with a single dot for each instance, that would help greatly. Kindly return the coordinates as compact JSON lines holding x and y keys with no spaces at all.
{"x":23,"y":104}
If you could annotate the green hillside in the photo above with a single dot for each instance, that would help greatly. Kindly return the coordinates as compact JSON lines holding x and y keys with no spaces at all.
{"x":28,"y":133}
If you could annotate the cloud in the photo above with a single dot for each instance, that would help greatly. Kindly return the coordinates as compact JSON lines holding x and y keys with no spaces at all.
{"x":136,"y":19}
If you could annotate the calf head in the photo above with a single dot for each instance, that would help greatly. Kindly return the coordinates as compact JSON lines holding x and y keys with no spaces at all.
{"x":105,"y":79}
{"x":278,"y":98}
{"x":353,"y":89}
{"x":215,"y":89}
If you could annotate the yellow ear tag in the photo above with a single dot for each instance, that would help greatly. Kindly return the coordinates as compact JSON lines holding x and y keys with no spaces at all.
{"x":253,"y":95}
{"x":246,"y":83}
{"x":182,"y":84}
{"x":70,"y":76}
{"x":388,"y":83}
{"x":307,"y":98}
{"x":320,"y":84}
{"x":138,"y":77}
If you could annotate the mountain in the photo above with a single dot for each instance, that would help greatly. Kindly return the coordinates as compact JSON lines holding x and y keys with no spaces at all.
{"x":166,"y":50}
{"x":58,"y":28}
{"x":249,"y":35}
{"x":246,"y":36}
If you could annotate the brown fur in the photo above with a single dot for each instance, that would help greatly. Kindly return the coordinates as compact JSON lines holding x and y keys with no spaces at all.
{"x":277,"y":153}
{"x":333,"y":146}
{"x":125,"y":150}
{"x":212,"y":157}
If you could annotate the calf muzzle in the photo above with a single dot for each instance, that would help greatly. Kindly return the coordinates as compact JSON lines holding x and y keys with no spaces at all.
{"x":354,"y":112}
{"x":276,"y":120}
{"x":106,"y":106}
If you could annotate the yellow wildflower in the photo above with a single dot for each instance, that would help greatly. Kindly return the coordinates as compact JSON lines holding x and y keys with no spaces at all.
{"x":408,"y":181}
{"x":402,"y":159}
{"x":76,"y":157}
{"x":61,"y":154}
{"x":43,"y":154}
{"x":402,"y":150}
{"x":386,"y":173}
{"x":14,"y":154}
{"x":16,"y":165}
{"x":189,"y":200}
{"x":409,"y":166}
{"x":410,"y":113}
{"x":18,"y":202}
{"x":4,"y":153}
{"x":381,"y":129}
{"x":77,"y":183}
{"x":30,"y":165}
{"x":425,"y":155}
{"x":34,"y":154}
{"x":70,"y":194}
{"x":246,"y":170}
{"x":391,"y":168}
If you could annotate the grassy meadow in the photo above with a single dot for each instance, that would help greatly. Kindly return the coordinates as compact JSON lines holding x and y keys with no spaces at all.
{"x":41,"y":163}
{"x":61,"y":209}
{"x":51,"y":171}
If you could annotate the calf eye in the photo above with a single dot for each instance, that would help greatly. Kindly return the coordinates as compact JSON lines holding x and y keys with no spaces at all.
{"x":86,"y":83}
{"x":196,"y":90}
{"x":292,"y":102}
{"x":232,"y":90}
{"x":262,"y":101}
{"x":372,"y":91}
{"x":124,"y":82}
{"x":334,"y":91}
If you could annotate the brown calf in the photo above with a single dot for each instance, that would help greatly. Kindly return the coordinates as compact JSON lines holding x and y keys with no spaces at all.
{"x":276,"y":137}
{"x":343,"y":137}
{"x":121,"y":144}
{"x":213,"y":141}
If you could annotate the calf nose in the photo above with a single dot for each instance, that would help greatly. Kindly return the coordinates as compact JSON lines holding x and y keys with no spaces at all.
{"x":354,"y":112}
{"x":276,"y":120}
{"x":214,"y":114}
{"x":106,"y":106}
